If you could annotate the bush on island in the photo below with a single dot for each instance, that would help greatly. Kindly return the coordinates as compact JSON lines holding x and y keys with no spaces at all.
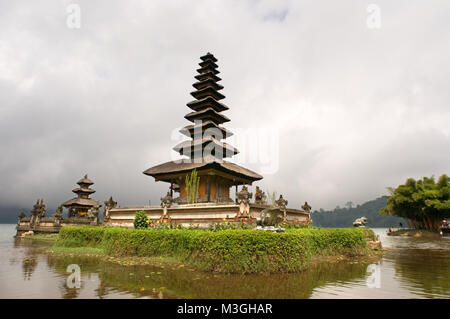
{"x":141,"y":220}
{"x":228,"y":251}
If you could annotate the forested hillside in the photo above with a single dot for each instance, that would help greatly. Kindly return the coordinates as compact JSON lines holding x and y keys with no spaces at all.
{"x":344,"y":217}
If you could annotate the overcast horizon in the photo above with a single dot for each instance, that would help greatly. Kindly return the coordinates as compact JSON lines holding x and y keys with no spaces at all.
{"x":358,"y":95}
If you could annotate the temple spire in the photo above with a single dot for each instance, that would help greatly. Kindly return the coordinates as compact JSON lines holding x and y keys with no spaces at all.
{"x":206,"y":133}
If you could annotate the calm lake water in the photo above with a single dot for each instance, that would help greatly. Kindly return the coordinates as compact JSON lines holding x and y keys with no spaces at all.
{"x":411,"y":268}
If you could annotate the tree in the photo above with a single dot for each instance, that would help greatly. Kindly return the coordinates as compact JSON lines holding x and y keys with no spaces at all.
{"x":349,"y":205}
{"x":192,"y":184}
{"x":424,"y":202}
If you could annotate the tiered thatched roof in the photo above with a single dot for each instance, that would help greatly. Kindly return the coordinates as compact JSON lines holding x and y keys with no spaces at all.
{"x":83,"y":192}
{"x":205,"y":149}
{"x":207,"y":115}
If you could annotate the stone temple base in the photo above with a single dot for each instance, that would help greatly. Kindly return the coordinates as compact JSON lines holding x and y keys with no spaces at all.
{"x":51,"y":224}
{"x":202,"y":215}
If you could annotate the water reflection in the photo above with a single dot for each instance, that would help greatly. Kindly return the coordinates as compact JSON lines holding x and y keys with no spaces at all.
{"x":176,"y":282}
{"x":411,"y":268}
{"x":28,"y":266}
{"x":421,"y":265}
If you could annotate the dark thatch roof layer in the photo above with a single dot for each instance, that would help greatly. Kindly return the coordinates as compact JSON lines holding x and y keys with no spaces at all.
{"x":87,"y":202}
{"x":179,"y":167}
{"x":209,"y":64}
{"x":208,"y":56}
{"x":82,"y":190}
{"x":208,"y":82}
{"x":207,"y":75}
{"x":85,"y":181}
{"x":208,"y":69}
{"x":208,"y":91}
{"x":190,"y":130}
{"x":198,"y":105}
{"x":207,"y":114}
{"x":188,"y":147}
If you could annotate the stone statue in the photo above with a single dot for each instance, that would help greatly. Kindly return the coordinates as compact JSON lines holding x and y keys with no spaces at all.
{"x":244,"y":197}
{"x":59,"y":212}
{"x":21,"y":215}
{"x":58,"y":215}
{"x":282,"y":203}
{"x":270,"y":217}
{"x":166,"y":202}
{"x":306,"y":207}
{"x":93,"y":213}
{"x":41,"y":208}
{"x":34,"y":213}
{"x":360,"y":222}
{"x":109,"y":204}
{"x":35,"y":210}
{"x":260,"y":196}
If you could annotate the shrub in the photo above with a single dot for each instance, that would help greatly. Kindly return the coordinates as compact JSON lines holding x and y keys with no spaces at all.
{"x":141,"y":220}
{"x":80,"y":236}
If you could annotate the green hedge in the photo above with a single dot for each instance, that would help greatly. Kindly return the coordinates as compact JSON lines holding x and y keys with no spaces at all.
{"x":81,"y":236}
{"x":230,"y":251}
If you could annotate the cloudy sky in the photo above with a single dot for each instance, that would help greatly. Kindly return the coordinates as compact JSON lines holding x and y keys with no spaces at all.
{"x":357,"y":96}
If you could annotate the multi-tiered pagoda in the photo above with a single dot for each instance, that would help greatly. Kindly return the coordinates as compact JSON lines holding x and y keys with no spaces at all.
{"x":205,"y":150}
{"x":82,"y":203}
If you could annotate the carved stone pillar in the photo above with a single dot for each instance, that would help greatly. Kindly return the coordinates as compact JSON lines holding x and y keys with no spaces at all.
{"x":282,"y":203}
{"x":166,"y":202}
{"x":109,"y":204}
{"x":260,"y":197}
{"x":244,"y":197}
{"x":306,"y":207}
{"x":58,"y":216}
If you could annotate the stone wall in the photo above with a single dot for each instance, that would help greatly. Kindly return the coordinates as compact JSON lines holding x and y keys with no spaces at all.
{"x":51,"y":224}
{"x":204,"y":215}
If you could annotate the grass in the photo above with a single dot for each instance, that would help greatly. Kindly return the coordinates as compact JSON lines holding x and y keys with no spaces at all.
{"x":47,"y":237}
{"x":77,"y":250}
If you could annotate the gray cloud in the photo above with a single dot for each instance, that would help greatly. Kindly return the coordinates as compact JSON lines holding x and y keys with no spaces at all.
{"x":357,"y":109}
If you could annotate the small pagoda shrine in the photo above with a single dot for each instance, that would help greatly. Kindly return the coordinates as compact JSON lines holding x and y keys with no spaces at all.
{"x":205,"y":149}
{"x":80,"y":205}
